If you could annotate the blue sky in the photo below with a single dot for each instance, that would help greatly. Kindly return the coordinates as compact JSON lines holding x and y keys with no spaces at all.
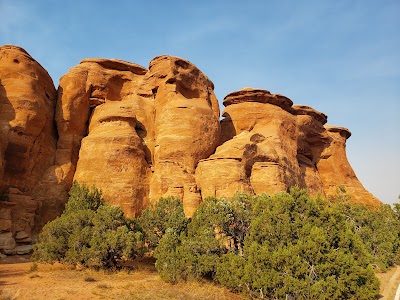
{"x":340,"y":57}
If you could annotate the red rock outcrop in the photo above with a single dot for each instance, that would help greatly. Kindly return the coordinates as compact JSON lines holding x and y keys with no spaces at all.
{"x":136,"y":134}
{"x":312,"y":139}
{"x":140,"y":134}
{"x":96,"y":138}
{"x":260,"y":142}
{"x":268,"y":145}
{"x":27,"y":139}
{"x":335,"y":170}
{"x":186,"y":127}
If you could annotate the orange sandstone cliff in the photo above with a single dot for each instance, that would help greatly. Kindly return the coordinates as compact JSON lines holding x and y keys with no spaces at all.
{"x":140,"y":134}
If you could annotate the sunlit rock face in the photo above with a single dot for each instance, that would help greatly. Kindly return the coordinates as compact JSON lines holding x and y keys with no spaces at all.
{"x":335,"y":169}
{"x":139,"y":134}
{"x":268,"y":145}
{"x":27,"y":142}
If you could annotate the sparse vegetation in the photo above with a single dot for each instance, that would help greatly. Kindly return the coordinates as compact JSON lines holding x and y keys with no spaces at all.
{"x":5,"y":295}
{"x":288,"y":245}
{"x":34,"y":267}
{"x":89,"y":279}
{"x":103,"y":286}
{"x":89,"y":233}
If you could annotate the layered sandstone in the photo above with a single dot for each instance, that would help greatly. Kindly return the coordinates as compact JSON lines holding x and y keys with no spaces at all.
{"x":268,"y":145}
{"x":186,"y":127}
{"x":27,"y":140}
{"x":335,"y":169}
{"x":137,"y":134}
{"x":140,"y":134}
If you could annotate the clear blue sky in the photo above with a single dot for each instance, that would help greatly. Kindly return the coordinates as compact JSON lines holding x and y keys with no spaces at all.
{"x":341,"y":57}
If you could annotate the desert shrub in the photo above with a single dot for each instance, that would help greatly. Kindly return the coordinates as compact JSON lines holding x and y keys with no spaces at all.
{"x":157,"y":218}
{"x":283,"y":246}
{"x":89,"y":233}
{"x":300,"y":248}
{"x":379,"y":229}
{"x":82,"y":197}
{"x":216,"y":228}
{"x":89,"y":279}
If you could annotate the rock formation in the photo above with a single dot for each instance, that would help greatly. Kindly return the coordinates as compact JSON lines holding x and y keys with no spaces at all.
{"x":334,"y":167}
{"x":140,"y":134}
{"x":27,"y":142}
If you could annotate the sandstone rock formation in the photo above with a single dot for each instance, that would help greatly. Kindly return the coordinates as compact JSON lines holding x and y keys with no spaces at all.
{"x":136,"y":134}
{"x":269,"y":145}
{"x":27,"y":140}
{"x":335,"y":168}
{"x":140,"y":134}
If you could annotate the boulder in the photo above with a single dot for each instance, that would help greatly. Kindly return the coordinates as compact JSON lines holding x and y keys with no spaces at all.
{"x":23,"y":249}
{"x":27,"y":133}
{"x":312,"y":139}
{"x":94,"y":82}
{"x":112,"y":157}
{"x":5,"y":215}
{"x":7,"y":242}
{"x":259,"y":143}
{"x":21,"y":235}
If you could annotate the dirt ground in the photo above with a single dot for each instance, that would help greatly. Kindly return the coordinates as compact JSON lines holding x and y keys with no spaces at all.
{"x":389,"y":283}
{"x":20,"y":279}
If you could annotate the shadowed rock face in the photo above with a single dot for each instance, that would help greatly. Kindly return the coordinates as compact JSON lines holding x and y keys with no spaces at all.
{"x":140,"y":134}
{"x":312,"y":139}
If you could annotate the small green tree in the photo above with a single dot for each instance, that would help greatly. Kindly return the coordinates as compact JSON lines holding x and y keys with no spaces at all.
{"x":170,"y":262}
{"x":283,"y":246}
{"x":156,"y":219}
{"x":89,"y":232}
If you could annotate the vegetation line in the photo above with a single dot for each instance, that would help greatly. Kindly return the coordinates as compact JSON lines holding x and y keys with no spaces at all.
{"x":284,"y":246}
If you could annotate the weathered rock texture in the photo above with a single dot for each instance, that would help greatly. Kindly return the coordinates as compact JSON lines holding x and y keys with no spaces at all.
{"x":27,"y":141}
{"x":334,"y":167}
{"x":140,"y":134}
{"x":268,"y":145}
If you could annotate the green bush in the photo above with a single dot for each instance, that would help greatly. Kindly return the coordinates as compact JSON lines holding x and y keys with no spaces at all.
{"x":379,"y":229}
{"x":301,"y":248}
{"x":282,"y":246}
{"x":89,"y":233}
{"x":156,"y":219}
{"x":216,"y":228}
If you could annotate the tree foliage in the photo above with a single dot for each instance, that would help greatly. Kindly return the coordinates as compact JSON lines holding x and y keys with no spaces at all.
{"x":286,"y":246}
{"x":89,"y":233}
{"x":157,"y":218}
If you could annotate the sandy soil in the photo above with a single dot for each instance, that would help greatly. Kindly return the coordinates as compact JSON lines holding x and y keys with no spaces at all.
{"x":389,"y":283}
{"x":19,"y":279}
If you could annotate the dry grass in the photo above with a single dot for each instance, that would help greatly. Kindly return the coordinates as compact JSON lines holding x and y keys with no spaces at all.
{"x":64,"y":282}
{"x":89,"y":279}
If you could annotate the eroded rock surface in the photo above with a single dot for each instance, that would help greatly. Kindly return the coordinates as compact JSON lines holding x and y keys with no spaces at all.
{"x":268,"y":145}
{"x":334,"y":168}
{"x":27,"y":137}
{"x":136,"y":134}
{"x":140,"y":134}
